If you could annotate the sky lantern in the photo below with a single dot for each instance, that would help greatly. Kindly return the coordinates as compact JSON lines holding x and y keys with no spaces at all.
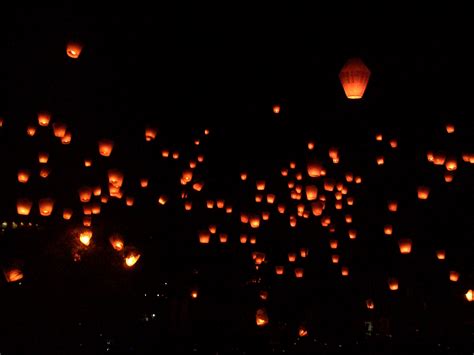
{"x":378,"y":137}
{"x":338,"y":205}
{"x":317,"y":208}
{"x":23,"y":206}
{"x":44,"y":172}
{"x":200,"y":158}
{"x":451,"y":164}
{"x":304,"y":252}
{"x":85,"y":237}
{"x":105,"y":147}
{"x":333,"y":243}
{"x":187,"y":175}
{"x":165,"y":153}
{"x":263,"y":295}
{"x":175,"y":155}
{"x":260,"y":185}
{"x":210,"y":204}
{"x":43,"y":157}
{"x":188,"y":205}
{"x":329,"y":184}
{"x":299,"y":272}
{"x":311,"y":145}
{"x":333,"y":153}
{"x":213,"y":228}
{"x":349,"y":177}
{"x":354,"y":77}
{"x":204,"y":237}
{"x":350,"y":201}
{"x":194,"y":293}
{"x":370,"y":304}
{"x":198,"y":186}
{"x":423,"y":192}
{"x":104,"y":199}
{"x":253,"y":240}
{"x":302,"y":331}
{"x":220,"y":203}
{"x":31,"y":130}
{"x":314,"y":169}
{"x":67,"y":214}
{"x":46,"y":206}
{"x":258,"y":198}
{"x":87,"y":209}
{"x":292,"y":165}
{"x":115,"y":177}
{"x":261,"y":318}
{"x":116,"y":241}
{"x":129,"y":201}
{"x":279,"y":270}
{"x":223,"y":237}
{"x":95,"y":207}
{"x":311,"y":192}
{"x":344,"y":271}
{"x":405,"y":246}
{"x":23,"y":176}
{"x":13,"y":274}
{"x":243,"y":175}
{"x":87,"y":221}
{"x":150,"y":133}
{"x":132,"y":258}
{"x":352,"y":234}
{"x":281,"y":208}
{"x":439,"y":158}
{"x":85,"y":194}
{"x":66,"y":139}
{"x":276,"y":109}
{"x":450,"y":128}
{"x":192,"y":164}
{"x":358,"y":180}
{"x":392,"y":206}
{"x":393,"y":143}
{"x":73,"y":49}
{"x":469,"y":295}
{"x":284,"y":172}
{"x":293,"y":221}
{"x":380,"y":160}
{"x":441,"y":254}
{"x":335,"y":258}
{"x":243,"y":238}
{"x":388,"y":229}
{"x":87,"y":163}
{"x":291,"y":257}
{"x":59,"y":129}
{"x":244,"y":218}
{"x":228,"y":209}
{"x":448,"y":176}
{"x":270,"y":198}
{"x":454,"y":276}
{"x":393,"y":284}
{"x":162,"y":199}
{"x":43,"y":119}
{"x":265,"y":215}
{"x":348,"y":218}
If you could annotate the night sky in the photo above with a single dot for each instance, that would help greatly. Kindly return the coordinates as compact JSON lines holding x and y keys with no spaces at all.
{"x":209,"y":84}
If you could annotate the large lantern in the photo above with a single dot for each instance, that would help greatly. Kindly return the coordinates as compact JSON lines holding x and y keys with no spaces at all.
{"x":131,"y":258}
{"x":43,"y":119}
{"x":405,"y":246}
{"x":354,"y":77}
{"x":46,"y":206}
{"x":23,"y":176}
{"x":13,"y":274}
{"x":261,"y":317}
{"x":23,"y":206}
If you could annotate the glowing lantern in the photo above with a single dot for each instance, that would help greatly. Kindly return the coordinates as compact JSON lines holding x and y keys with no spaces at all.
{"x":279,"y":270}
{"x":388,"y":229}
{"x":210,"y":204}
{"x":66,"y":139}
{"x":228,"y":209}
{"x":338,"y":205}
{"x":129,"y":201}
{"x":43,"y":119}
{"x":284,"y":172}
{"x":31,"y":130}
{"x":302,"y":332}
{"x":451,"y":164}
{"x":299,"y":272}
{"x":87,"y":221}
{"x":220,"y":203}
{"x":194,"y":293}
{"x":105,"y":147}
{"x":223,"y":238}
{"x":448,"y":177}
{"x":311,"y":192}
{"x":261,"y":317}
{"x":354,"y":77}
{"x":204,"y":237}
{"x":441,"y":254}
{"x":165,"y":153}
{"x":291,"y":257}
{"x":469,"y":295}
{"x":73,"y":49}
{"x":453,"y":276}
{"x":405,"y":246}
{"x":44,"y":172}
{"x":43,"y":157}
{"x":304,"y":252}
{"x":212,"y":229}
{"x":263,"y":295}
{"x":23,"y":176}
{"x":329,"y":184}
{"x":206,"y":132}
{"x":95,"y":208}
{"x":198,"y":186}
{"x":196,"y":142}
{"x":23,"y":206}
{"x":333,"y":243}
{"x":314,"y":169}
{"x":317,"y":208}
{"x":67,"y":213}
{"x":276,"y":109}
{"x":175,"y":155}
{"x":59,"y":129}
{"x":393,"y":143}
{"x":281,"y":208}
{"x":258,"y":198}
{"x":370,"y":304}
{"x":85,"y":194}
{"x":200,"y":158}
{"x":378,"y":137}
{"x":352,"y":233}
{"x":150,"y":133}
{"x":392,"y":206}
{"x":439,"y":158}
{"x":335,"y":258}
{"x":244,"y":218}
{"x":380,"y":160}
{"x":450,"y":128}
{"x":132,"y":258}
{"x":243,"y":175}
{"x":348,"y":218}
{"x":260,"y":185}
{"x":117,"y":242}
{"x":97,"y":191}
{"x":350,"y":201}
{"x":270,"y":198}
{"x":293,"y":221}
{"x":344,"y":271}
{"x":423,"y":192}
{"x":349,"y":177}
{"x":291,"y":184}
{"x":87,"y":208}
{"x":358,"y":180}
{"x":188,"y":205}
{"x":104,"y":198}
{"x":162,"y":199}
{"x":292,"y":165}
{"x":192,"y":164}
{"x":265,"y":215}
{"x":46,"y":206}
{"x":85,"y":237}
{"x":243,"y":238}
{"x":13,"y":274}
{"x":393,"y":284}
{"x":87,"y":163}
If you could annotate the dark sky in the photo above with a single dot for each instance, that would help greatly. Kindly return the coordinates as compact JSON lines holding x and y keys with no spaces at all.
{"x":194,"y":69}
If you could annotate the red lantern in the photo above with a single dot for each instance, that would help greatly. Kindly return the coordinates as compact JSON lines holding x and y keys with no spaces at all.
{"x":354,"y":77}
{"x":73,"y":49}
{"x":105,"y":147}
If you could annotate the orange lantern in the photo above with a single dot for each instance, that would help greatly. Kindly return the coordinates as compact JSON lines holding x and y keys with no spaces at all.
{"x":380,"y":160}
{"x":46,"y":206}
{"x":116,"y":241}
{"x":67,"y":213}
{"x":105,"y":147}
{"x":23,"y":176}
{"x":276,"y":109}
{"x":165,"y":153}
{"x":333,"y":243}
{"x":210,"y":204}
{"x":405,"y":246}
{"x":85,"y":194}
{"x":284,"y":172}
{"x":299,"y":271}
{"x":370,"y":304}
{"x":261,"y":317}
{"x":204,"y":237}
{"x":198,"y":186}
{"x":129,"y":201}
{"x":87,"y":163}
{"x":349,"y":177}
{"x":388,"y":229}
{"x":258,"y":198}
{"x":329,"y":184}
{"x":291,"y":257}
{"x":150,"y":133}
{"x":265,"y":215}
{"x":352,"y":234}
{"x":335,"y":258}
{"x":85,"y":237}
{"x":469,"y":295}
{"x":453,"y":276}
{"x":104,"y":198}
{"x":448,"y":177}
{"x":212,"y":228}
{"x":132,"y":258}
{"x":43,"y":157}
{"x":66,"y":139}
{"x":31,"y":130}
{"x":44,"y":172}
{"x":393,"y":284}
{"x":358,"y":180}
{"x":441,"y":254}
{"x":378,"y":137}
{"x":243,"y":175}
{"x":354,"y":77}
{"x":279,"y":270}
{"x":194,"y":293}
{"x":317,"y":208}
{"x":311,"y":192}
{"x":73,"y":49}
{"x":451,"y":164}
{"x":270,"y":198}
{"x":87,"y":221}
{"x":293,"y":221}
{"x":228,"y":209}
{"x":314,"y":169}
{"x":95,"y":208}
{"x":344,"y":271}
{"x":439,"y":158}
{"x":13,"y":274}
{"x":243,"y":238}
{"x":163,"y":199}
{"x":302,"y":331}
{"x":393,"y":143}
{"x":263,"y":295}
{"x":220,"y":203}
{"x":392,"y":206}
{"x":144,"y":182}
{"x":260,"y":185}
{"x":188,"y":205}
{"x":200,"y":158}
{"x":59,"y":129}
{"x":175,"y":155}
{"x":43,"y":119}
{"x":23,"y":206}
{"x":304,"y":252}
{"x":223,"y":237}
{"x":450,"y":128}
{"x":281,"y":208}
{"x":423,"y":192}
{"x":192,"y":164}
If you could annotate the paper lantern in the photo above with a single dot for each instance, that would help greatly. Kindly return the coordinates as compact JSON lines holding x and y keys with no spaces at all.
{"x":335,"y":258}
{"x":281,"y":208}
{"x":66,"y":139}
{"x":243,"y":238}
{"x":43,"y":157}
{"x":448,"y":177}
{"x":44,"y":172}
{"x":450,"y":128}
{"x":393,"y":143}
{"x":67,"y":213}
{"x":223,"y":237}
{"x":129,"y":201}
{"x":469,"y":295}
{"x":329,"y":184}
{"x":317,"y":208}
{"x":392,"y":206}
{"x":73,"y":49}
{"x":192,"y":164}
{"x":95,"y":208}
{"x":243,"y":176}
{"x":439,"y":158}
{"x":276,"y":109}
{"x":220,"y":203}
{"x":85,"y":237}
{"x":291,"y":257}
{"x":393,"y":284}
{"x":23,"y":206}
{"x":105,"y":147}
{"x":441,"y":254}
{"x":388,"y":229}
{"x":198,"y":186}
{"x":293,"y":221}
{"x":451,"y":164}
{"x":228,"y":209}
{"x":253,"y":240}
{"x":260,"y":185}
{"x":204,"y":237}
{"x":348,"y":218}
{"x":188,"y":205}
{"x":200,"y":158}
{"x":265,"y":215}
{"x":380,"y":160}
{"x":405,"y":246}
{"x":423,"y":192}
{"x":333,"y":243}
{"x":46,"y":206}
{"x":354,"y":77}
{"x":302,"y":331}
{"x":115,"y":177}
{"x":261,"y":317}
{"x":370,"y":304}
{"x":31,"y":130}
{"x":59,"y":129}
{"x":175,"y":155}
{"x":344,"y":271}
{"x":150,"y":133}
{"x":311,"y":192}
{"x":258,"y":198}
{"x":165,"y":153}
{"x":304,"y":252}
{"x":352,"y":233}
{"x":43,"y":119}
{"x":87,"y":163}
{"x":212,"y":228}
{"x":163,"y":199}
{"x":104,"y":199}
{"x":85,"y":194}
{"x":116,"y":241}
{"x":13,"y":274}
{"x":279,"y":270}
{"x":270,"y":198}
{"x":453,"y":276}
{"x":87,"y":221}
{"x":299,"y":271}
{"x":23,"y":176}
{"x":132,"y":258}
{"x":314,"y":169}
{"x":284,"y":172}
{"x":194,"y":293}
{"x":379,"y":137}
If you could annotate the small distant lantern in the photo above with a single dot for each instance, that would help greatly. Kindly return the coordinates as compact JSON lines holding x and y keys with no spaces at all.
{"x":352,"y":234}
{"x":13,"y":274}
{"x":87,"y":163}
{"x":150,"y":133}
{"x":59,"y":129}
{"x":261,"y":317}
{"x":393,"y":143}
{"x":43,"y":157}
{"x":204,"y":237}
{"x":311,"y":192}
{"x":279,"y":270}
{"x":454,"y":276}
{"x":302,"y":331}
{"x":299,"y":271}
{"x":380,"y":160}
{"x":370,"y":304}
{"x":67,"y":213}
{"x":243,"y":175}
{"x":43,"y":119}
{"x":423,"y":192}
{"x":44,"y":172}
{"x":354,"y":77}
{"x":469,"y":295}
{"x":388,"y":229}
{"x":405,"y":246}
{"x":85,"y":237}
{"x":66,"y":139}
{"x":23,"y":176}
{"x":344,"y":271}
{"x":194,"y":293}
{"x":314,"y":169}
{"x":291,"y":257}
{"x":441,"y":254}
{"x":335,"y":258}
{"x":276,"y":109}
{"x":46,"y":206}
{"x":105,"y":147}
{"x":73,"y":49}
{"x":392,"y":206}
{"x":144,"y":182}
{"x":451,"y":164}
{"x":162,"y":199}
{"x":132,"y":258}
{"x":223,"y":237}
{"x":393,"y":284}
{"x":31,"y":130}
{"x":450,"y":128}
{"x":85,"y":194}
{"x":23,"y":206}
{"x":304,"y":252}
{"x":117,"y":242}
